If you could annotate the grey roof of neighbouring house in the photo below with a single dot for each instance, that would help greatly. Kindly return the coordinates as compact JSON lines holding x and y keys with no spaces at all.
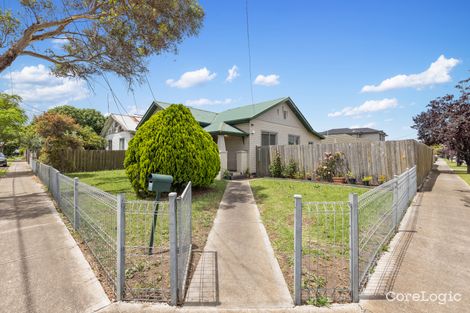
{"x":352,"y":131}
{"x":127,"y":122}
{"x":225,"y":122}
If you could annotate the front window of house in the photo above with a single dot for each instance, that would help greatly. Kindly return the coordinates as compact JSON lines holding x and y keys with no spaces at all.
{"x":268,"y":139}
{"x":110,"y":145}
{"x":293,"y":140}
{"x":121,"y":143}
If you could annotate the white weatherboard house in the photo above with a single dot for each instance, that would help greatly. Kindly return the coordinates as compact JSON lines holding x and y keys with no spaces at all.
{"x":119,"y":129}
{"x":240,"y":130}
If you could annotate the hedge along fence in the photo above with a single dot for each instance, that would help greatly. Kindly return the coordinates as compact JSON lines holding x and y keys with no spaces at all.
{"x":93,"y":160}
{"x":376,"y":158}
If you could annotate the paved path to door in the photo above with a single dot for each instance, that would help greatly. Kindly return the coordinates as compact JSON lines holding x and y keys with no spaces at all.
{"x":238,"y":268}
{"x":41,"y":267}
{"x":431,"y":254}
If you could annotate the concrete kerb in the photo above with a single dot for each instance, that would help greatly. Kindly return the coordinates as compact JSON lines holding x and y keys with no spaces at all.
{"x":129,"y":307}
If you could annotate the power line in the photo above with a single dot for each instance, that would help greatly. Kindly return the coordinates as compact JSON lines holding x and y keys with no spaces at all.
{"x":249,"y":53}
{"x":150,"y":87}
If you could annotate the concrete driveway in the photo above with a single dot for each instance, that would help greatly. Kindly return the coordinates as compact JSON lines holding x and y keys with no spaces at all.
{"x":41,"y":267}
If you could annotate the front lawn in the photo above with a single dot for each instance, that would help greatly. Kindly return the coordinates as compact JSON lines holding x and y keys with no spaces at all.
{"x":325,"y":235}
{"x":459,"y":170}
{"x":145,"y":271}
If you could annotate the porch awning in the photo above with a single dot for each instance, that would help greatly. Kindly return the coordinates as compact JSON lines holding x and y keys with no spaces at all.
{"x":224,"y":129}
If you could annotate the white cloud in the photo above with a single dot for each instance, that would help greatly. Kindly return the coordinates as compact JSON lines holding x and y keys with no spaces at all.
{"x":388,"y":120}
{"x":267,"y":80}
{"x":437,"y":73}
{"x":190,"y":79}
{"x":232,"y":74}
{"x":368,"y":125}
{"x":368,"y":106}
{"x":36,"y":84}
{"x":205,"y":101}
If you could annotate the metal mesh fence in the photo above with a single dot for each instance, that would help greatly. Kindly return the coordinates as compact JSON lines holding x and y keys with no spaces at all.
{"x":97,"y":225}
{"x":325,"y":255}
{"x":376,"y":224}
{"x":340,"y":247}
{"x":147,"y":267}
{"x":184,"y":240}
{"x":147,"y":273}
{"x":66,"y":196}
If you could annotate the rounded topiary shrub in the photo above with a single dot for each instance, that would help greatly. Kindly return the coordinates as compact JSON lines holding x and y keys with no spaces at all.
{"x":172,"y":142}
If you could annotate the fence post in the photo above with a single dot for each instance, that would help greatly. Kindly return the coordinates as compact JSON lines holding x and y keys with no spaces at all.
{"x":120,"y":246}
{"x":76,"y":213}
{"x":298,"y":250}
{"x":396,"y":203}
{"x":354,"y":246}
{"x":57,"y":187}
{"x":407,"y":185}
{"x":173,"y":249}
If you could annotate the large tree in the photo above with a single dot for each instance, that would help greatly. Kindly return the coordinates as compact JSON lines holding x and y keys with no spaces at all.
{"x":59,"y":133}
{"x":447,"y":122}
{"x":98,"y":35}
{"x":84,"y":117}
{"x":12,"y":118}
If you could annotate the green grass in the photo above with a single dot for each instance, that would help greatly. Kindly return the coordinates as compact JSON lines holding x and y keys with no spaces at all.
{"x":3,"y":172}
{"x":459,"y":170}
{"x":275,"y":198}
{"x":325,"y":236}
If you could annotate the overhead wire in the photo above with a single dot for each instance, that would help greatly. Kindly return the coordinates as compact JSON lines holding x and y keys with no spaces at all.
{"x":249,"y":53}
{"x":115,"y":97}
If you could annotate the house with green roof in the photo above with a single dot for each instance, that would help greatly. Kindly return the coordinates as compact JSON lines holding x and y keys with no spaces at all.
{"x":240,"y":130}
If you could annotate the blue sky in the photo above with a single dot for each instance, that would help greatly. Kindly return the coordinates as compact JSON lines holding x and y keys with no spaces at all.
{"x":321,"y":54}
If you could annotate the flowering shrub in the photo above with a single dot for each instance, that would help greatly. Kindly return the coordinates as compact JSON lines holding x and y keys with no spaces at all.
{"x":333,"y":165}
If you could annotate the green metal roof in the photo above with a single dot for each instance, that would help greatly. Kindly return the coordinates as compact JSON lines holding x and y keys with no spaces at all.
{"x":222,"y":123}
{"x":223,"y":128}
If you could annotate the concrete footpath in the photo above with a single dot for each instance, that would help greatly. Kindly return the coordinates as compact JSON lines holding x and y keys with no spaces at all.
{"x":428,"y":266}
{"x":238,"y":268}
{"x":41,"y":267}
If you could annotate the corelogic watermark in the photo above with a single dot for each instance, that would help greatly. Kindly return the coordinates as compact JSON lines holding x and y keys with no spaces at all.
{"x":423,"y":296}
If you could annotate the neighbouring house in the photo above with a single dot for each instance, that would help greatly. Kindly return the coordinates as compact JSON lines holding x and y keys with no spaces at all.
{"x":240,"y":130}
{"x":359,"y":133}
{"x":119,"y":129}
{"x":343,"y":138}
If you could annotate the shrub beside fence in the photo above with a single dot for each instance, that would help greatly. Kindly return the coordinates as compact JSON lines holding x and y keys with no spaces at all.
{"x":117,"y":233}
{"x":377,"y":158}
{"x":337,"y":244}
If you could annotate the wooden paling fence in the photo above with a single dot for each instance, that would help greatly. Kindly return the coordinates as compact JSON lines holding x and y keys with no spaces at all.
{"x":94,"y":160}
{"x":376,"y":158}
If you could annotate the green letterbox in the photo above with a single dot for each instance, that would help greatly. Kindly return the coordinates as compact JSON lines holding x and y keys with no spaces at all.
{"x":160,"y":183}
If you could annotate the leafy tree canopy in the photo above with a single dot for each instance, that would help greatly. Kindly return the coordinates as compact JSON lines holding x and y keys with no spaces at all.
{"x":98,"y":35}
{"x":84,"y":117}
{"x":59,"y":132}
{"x":447,"y":122}
{"x":12,"y":118}
{"x":172,"y":142}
